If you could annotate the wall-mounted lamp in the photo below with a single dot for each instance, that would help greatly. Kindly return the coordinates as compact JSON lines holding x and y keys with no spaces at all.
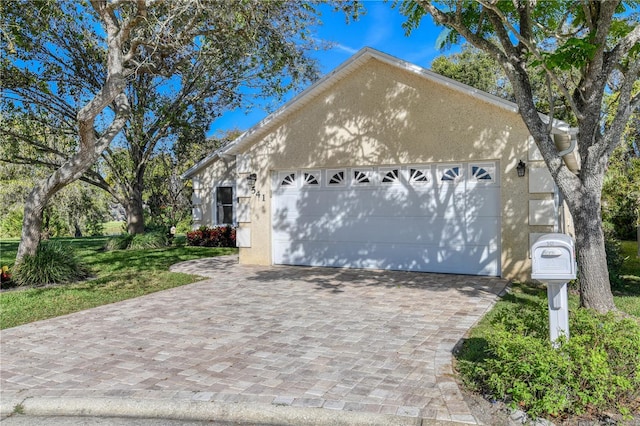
{"x":521,"y":168}
{"x":251,"y":179}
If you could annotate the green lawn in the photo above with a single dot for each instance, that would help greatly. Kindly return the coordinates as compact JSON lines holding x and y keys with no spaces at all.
{"x":118,"y":275}
{"x":114,"y":227}
{"x":626,"y":295}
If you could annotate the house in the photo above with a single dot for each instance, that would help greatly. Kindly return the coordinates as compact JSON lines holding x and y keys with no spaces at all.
{"x":383,"y":164}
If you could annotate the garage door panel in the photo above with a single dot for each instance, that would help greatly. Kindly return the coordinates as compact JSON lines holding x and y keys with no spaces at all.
{"x":435,"y":226}
{"x":373,"y":229}
{"x":320,"y":203}
{"x":409,"y":257}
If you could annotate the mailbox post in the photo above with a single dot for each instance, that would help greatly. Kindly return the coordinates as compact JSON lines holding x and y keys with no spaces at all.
{"x":554,"y":262}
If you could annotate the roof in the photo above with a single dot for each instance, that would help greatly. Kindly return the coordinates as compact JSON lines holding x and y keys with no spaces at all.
{"x":345,"y":69}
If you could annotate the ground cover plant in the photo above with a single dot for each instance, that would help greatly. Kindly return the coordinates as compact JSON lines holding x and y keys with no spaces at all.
{"x":508,"y":356}
{"x":52,"y":263}
{"x":117,"y":275}
{"x":218,"y":236}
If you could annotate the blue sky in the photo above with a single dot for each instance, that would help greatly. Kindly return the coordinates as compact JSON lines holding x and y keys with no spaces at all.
{"x":380,"y":28}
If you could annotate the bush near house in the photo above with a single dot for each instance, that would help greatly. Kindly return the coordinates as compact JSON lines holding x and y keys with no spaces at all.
{"x":597,"y":370}
{"x":219,"y":236}
{"x":596,"y":374}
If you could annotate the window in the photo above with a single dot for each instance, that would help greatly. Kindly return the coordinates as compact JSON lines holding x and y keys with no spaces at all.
{"x":336,"y":178}
{"x":389,"y":176}
{"x":361,"y":177}
{"x":288,"y":179}
{"x":419,"y":175}
{"x":483,"y":173}
{"x":224,"y":205}
{"x":451,"y":174}
{"x":311,"y":178}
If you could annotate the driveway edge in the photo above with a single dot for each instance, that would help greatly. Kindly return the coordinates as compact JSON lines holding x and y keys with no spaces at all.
{"x":233,"y":413}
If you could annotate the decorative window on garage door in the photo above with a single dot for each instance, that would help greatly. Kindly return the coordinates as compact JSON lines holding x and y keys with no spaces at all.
{"x":419,"y":175}
{"x":311,"y":178}
{"x":336,"y":178}
{"x":450,"y":174}
{"x":362,"y":176}
{"x":389,"y":175}
{"x":287,"y":180}
{"x":482,"y":172}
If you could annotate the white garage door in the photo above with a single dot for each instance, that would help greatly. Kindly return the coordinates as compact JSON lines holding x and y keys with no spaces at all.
{"x":432,"y":218}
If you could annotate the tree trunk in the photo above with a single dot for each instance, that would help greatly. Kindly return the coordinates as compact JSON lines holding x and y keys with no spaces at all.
{"x":134,"y":211}
{"x":133,"y":204}
{"x":32,"y":223}
{"x":595,"y":288}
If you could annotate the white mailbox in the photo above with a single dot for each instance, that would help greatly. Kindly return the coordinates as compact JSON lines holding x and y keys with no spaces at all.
{"x":554,"y":262}
{"x":554,"y":258}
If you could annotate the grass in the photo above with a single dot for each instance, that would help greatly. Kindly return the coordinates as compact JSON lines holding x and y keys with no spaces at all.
{"x":118,"y":275}
{"x":114,"y":227}
{"x":626,"y":294}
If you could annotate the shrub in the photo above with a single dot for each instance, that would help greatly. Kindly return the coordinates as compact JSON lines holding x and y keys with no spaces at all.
{"x":5,"y":278}
{"x":219,"y":236}
{"x":52,"y":263}
{"x":148,"y":240}
{"x":119,"y":242}
{"x":597,"y":369}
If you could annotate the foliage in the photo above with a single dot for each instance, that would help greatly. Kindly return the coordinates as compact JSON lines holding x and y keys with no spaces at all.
{"x":627,"y":286}
{"x":77,"y":209}
{"x":148,"y":240}
{"x":475,"y":68}
{"x":53,"y":263}
{"x":119,"y":275}
{"x":615,"y":260}
{"x":584,"y":52}
{"x":11,"y":223}
{"x":5,"y":277}
{"x":621,"y":188}
{"x":597,"y":369}
{"x":218,"y":236}
{"x":479,"y":69}
{"x":144,"y":75}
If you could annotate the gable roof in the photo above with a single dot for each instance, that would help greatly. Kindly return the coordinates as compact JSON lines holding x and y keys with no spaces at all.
{"x":363,"y":56}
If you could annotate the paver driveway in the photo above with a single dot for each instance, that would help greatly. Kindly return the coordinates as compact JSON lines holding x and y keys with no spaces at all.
{"x":338,"y":339}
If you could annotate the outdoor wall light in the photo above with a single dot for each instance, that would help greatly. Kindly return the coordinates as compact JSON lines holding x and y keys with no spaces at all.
{"x":521,"y":168}
{"x":252,"y":178}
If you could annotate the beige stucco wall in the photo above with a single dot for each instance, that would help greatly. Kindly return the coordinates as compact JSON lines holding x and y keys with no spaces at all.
{"x":220,"y":172}
{"x":381,"y":115}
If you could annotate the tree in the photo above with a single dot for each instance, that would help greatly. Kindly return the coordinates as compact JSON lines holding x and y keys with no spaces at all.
{"x":478,"y":69}
{"x":475,"y":68}
{"x":182,"y":63}
{"x":598,"y":43}
{"x":266,"y":59}
{"x":621,"y":188}
{"x":68,"y":64}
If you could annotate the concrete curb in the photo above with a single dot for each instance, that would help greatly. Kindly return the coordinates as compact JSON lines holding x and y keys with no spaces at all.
{"x":239,"y":413}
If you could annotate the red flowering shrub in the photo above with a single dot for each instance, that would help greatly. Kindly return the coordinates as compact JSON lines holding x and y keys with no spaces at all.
{"x":5,"y":277}
{"x":219,"y":236}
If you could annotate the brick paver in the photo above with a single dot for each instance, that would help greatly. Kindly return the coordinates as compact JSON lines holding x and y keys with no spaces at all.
{"x":338,"y":339}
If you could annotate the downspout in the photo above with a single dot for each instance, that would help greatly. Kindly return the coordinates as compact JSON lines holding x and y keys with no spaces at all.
{"x":560,"y":141}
